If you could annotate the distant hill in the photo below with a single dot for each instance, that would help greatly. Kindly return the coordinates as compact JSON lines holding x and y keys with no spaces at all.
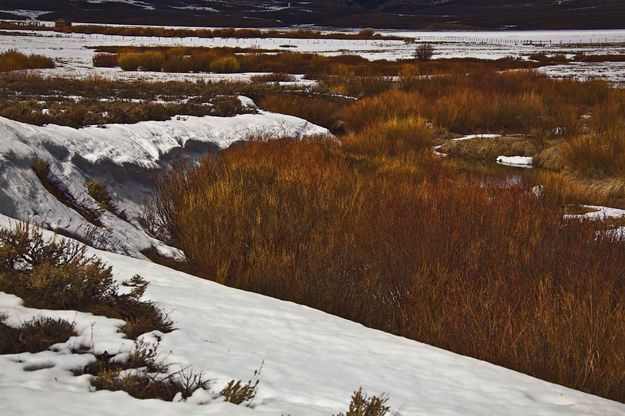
{"x":397,"y":14}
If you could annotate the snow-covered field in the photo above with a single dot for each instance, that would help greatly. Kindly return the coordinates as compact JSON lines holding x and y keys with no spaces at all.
{"x":125,"y":157}
{"x":312,"y":361}
{"x":73,"y":53}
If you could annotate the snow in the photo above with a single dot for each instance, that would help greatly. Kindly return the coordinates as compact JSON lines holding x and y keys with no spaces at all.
{"x":477,"y":136}
{"x":599,"y":212}
{"x":126,"y":157}
{"x":27,"y":13}
{"x":517,"y":161}
{"x":312,"y":361}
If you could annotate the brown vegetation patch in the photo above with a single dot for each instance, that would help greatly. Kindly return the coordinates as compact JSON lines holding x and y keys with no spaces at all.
{"x":13,"y":60}
{"x":151,"y":31}
{"x":478,"y":267}
{"x":202,"y":59}
{"x":321,"y":110}
{"x":58,"y":274}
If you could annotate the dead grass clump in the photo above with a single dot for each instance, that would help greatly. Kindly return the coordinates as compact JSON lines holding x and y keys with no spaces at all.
{"x":129,"y":61}
{"x":394,"y":136}
{"x":35,"y":335}
{"x":139,"y":385}
{"x":13,"y":60}
{"x":100,"y":192}
{"x":106,"y":60}
{"x":238,"y":392}
{"x":551,"y":156}
{"x":227,"y":64}
{"x":597,"y":156}
{"x":475,"y":266}
{"x":144,"y":356}
{"x":361,"y":405}
{"x":142,"y":384}
{"x":58,"y":274}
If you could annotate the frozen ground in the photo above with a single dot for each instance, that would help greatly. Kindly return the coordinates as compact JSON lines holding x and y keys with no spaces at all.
{"x":312,"y":361}
{"x":126,"y":157}
{"x":71,"y":50}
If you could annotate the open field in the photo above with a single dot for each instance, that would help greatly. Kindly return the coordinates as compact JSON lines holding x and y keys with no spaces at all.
{"x":74,"y":57}
{"x":470,"y":197}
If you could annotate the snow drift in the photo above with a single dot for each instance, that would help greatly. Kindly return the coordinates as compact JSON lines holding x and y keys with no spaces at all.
{"x":125,"y":157}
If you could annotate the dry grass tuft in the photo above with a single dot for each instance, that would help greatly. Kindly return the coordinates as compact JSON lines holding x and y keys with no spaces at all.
{"x":35,"y":335}
{"x":238,"y":392}
{"x":361,"y":405}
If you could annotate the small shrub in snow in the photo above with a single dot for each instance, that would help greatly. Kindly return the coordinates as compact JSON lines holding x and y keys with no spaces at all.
{"x":58,"y":274}
{"x":99,"y":191}
{"x":238,"y":393}
{"x":273,"y":77}
{"x":35,"y":335}
{"x":141,"y":384}
{"x":144,"y":356}
{"x":361,"y":405}
{"x":424,"y":52}
{"x":188,"y":381}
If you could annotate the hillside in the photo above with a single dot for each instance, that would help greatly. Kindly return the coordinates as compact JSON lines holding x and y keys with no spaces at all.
{"x":405,"y":14}
{"x":311,"y":361}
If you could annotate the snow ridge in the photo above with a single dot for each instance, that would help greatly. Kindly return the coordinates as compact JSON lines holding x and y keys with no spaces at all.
{"x":126,"y":157}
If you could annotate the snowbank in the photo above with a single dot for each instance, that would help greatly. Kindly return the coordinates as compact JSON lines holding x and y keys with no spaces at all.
{"x":599,"y":212}
{"x":476,"y":136}
{"x":312,"y":361}
{"x":126,"y":157}
{"x":517,"y":161}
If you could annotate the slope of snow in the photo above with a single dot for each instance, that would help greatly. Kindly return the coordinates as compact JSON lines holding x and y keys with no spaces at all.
{"x":125,"y":157}
{"x":312,"y":361}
